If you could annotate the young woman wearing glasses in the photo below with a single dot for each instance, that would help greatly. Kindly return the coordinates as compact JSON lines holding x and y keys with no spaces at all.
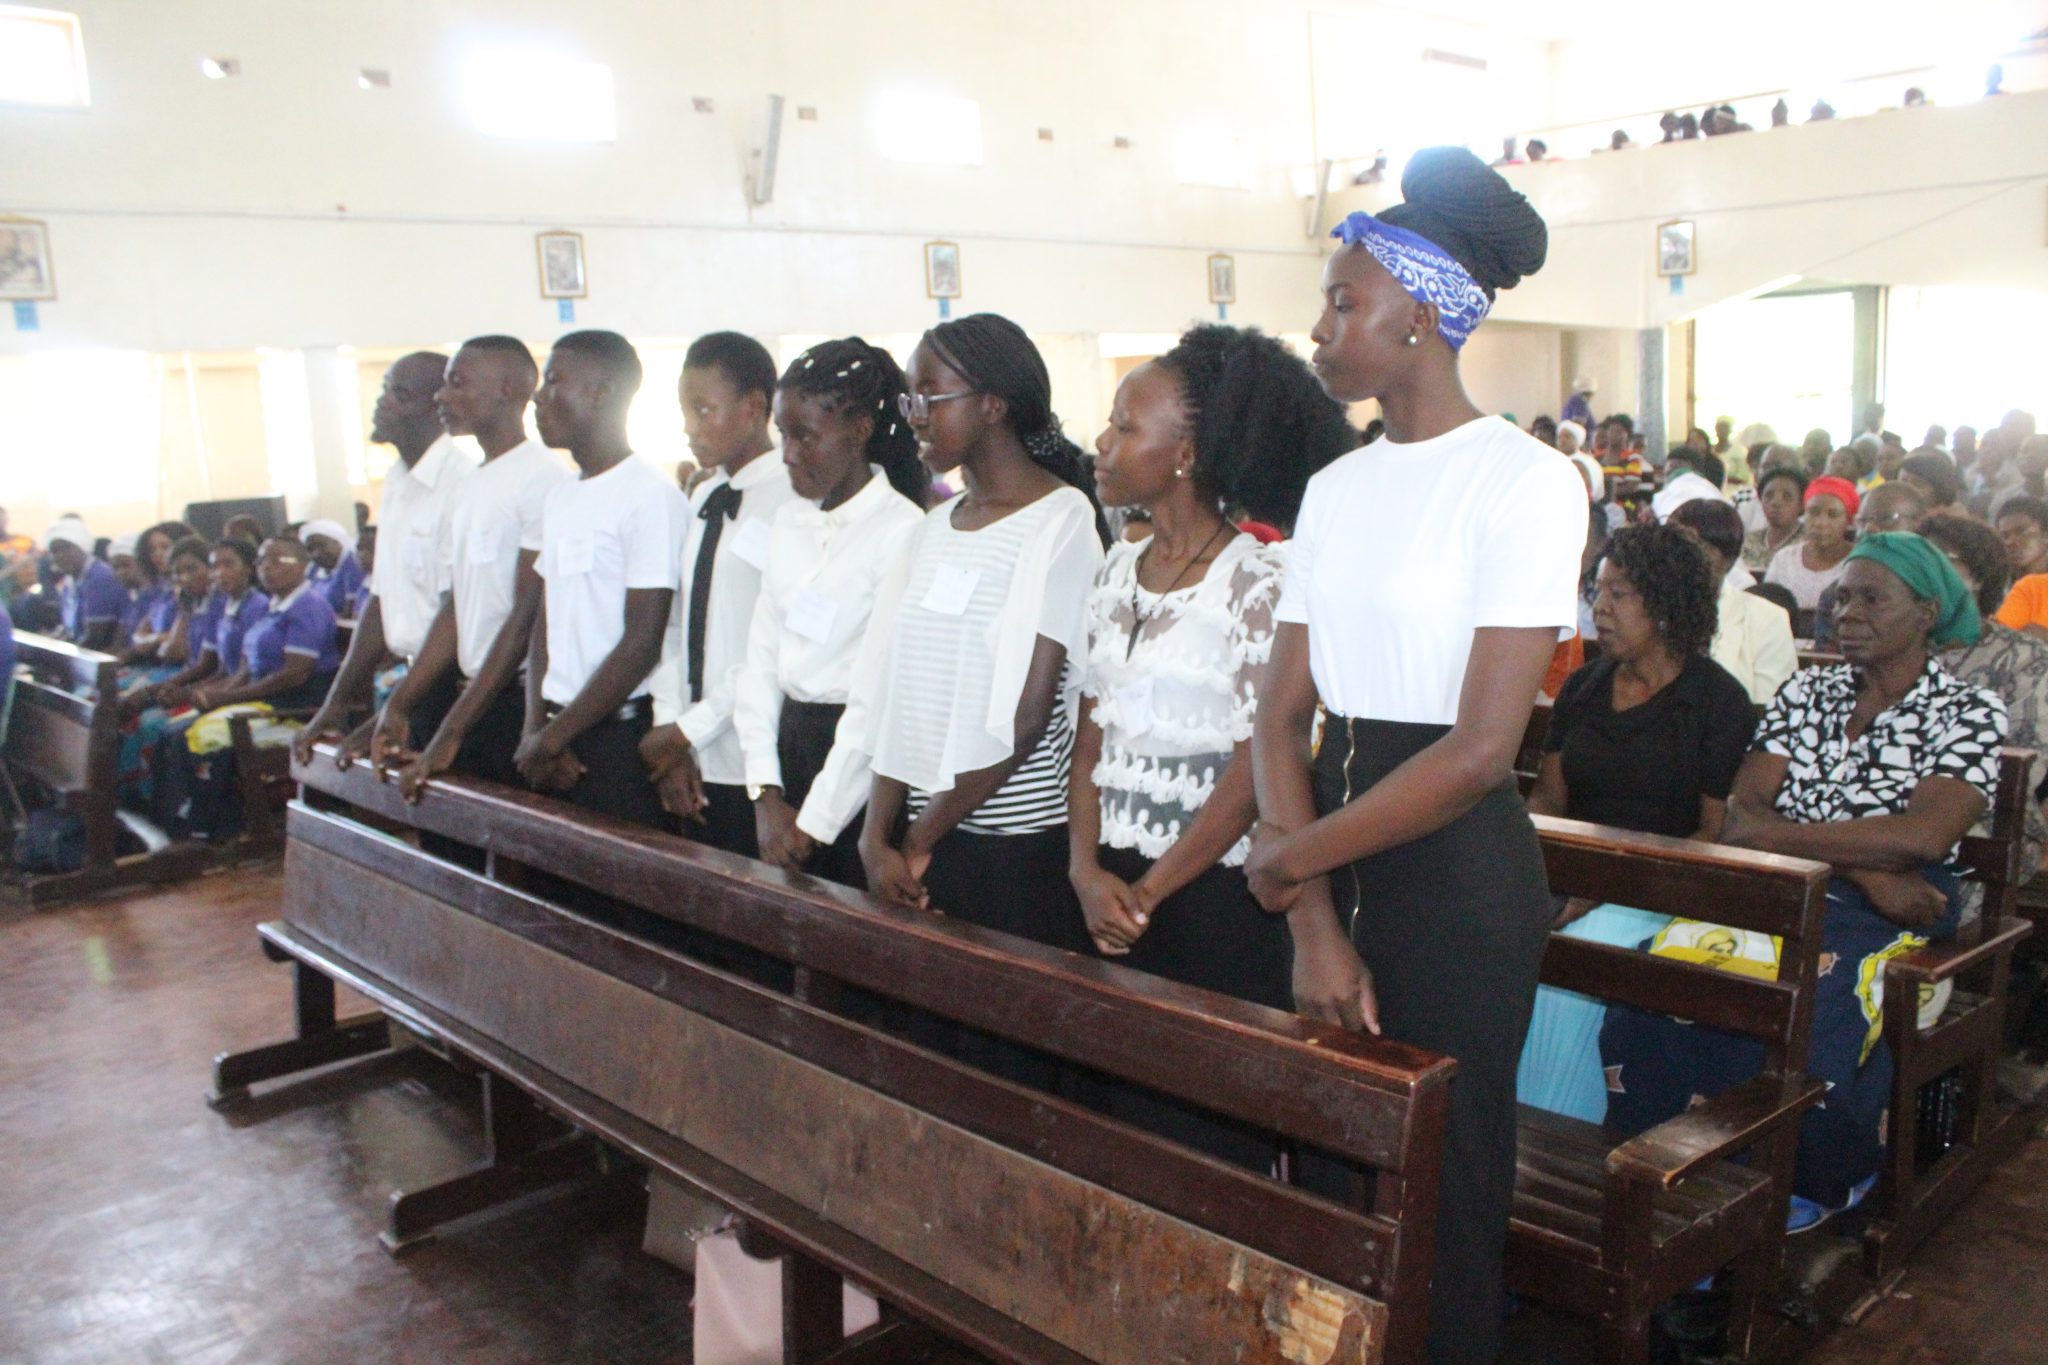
{"x":964,"y":699}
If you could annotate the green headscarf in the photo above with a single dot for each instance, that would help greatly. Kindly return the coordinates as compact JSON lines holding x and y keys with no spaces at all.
{"x":1929,"y":576}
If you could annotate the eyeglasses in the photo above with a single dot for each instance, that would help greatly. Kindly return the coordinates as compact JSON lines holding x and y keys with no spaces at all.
{"x":917,"y":407}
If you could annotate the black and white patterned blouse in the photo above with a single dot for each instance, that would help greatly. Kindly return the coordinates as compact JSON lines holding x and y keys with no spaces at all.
{"x":1942,"y":727}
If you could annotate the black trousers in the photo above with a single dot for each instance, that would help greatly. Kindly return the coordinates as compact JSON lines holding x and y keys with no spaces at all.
{"x":728,"y":820}
{"x":1452,"y":927}
{"x":487,"y":750}
{"x":1016,"y":883}
{"x":803,"y":743}
{"x":614,"y":780}
{"x":1211,"y":933}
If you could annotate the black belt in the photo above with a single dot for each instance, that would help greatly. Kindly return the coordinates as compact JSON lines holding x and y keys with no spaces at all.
{"x":633,"y":710}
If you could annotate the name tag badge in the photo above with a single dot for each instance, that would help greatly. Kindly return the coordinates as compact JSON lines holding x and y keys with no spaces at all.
{"x":577,"y":554}
{"x":1134,"y":706}
{"x":483,"y":545}
{"x":811,"y":614}
{"x":952,"y":589}
{"x":750,"y":542}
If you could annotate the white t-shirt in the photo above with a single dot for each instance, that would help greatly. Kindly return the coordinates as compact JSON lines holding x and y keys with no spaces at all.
{"x":1788,"y":570}
{"x":937,"y":688}
{"x":1402,"y":551}
{"x":601,"y":537}
{"x":497,"y":516}
{"x":1174,"y":705}
{"x":816,"y":604}
{"x":413,"y":526}
{"x":736,"y":568}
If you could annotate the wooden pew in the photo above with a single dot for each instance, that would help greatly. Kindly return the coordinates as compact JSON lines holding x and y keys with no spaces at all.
{"x":263,"y":778}
{"x":63,"y":737}
{"x":1014,"y":1221}
{"x":1609,"y":1230}
{"x":1911,"y":1201}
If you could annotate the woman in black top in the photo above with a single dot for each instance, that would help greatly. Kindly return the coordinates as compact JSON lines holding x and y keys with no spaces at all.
{"x":1647,"y":737}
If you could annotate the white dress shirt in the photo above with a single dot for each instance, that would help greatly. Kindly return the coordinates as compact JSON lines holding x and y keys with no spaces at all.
{"x":601,"y":538}
{"x":763,"y":486}
{"x":817,"y":597}
{"x":1753,"y":639}
{"x":413,"y":527}
{"x":498,"y":515}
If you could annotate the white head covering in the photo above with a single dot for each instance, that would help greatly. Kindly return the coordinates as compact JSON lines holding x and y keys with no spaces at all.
{"x":1584,"y":384}
{"x":72,"y":531}
{"x":1687,"y":487}
{"x":122,"y":545}
{"x":331,"y":529}
{"x":1575,"y":429}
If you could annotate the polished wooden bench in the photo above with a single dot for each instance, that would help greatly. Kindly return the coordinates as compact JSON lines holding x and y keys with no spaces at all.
{"x":1959,"y":1051}
{"x":1013,"y":1221}
{"x":1609,"y":1229}
{"x":64,"y":735}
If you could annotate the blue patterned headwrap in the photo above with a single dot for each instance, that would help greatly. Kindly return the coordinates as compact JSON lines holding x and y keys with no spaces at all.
{"x":1428,"y":272}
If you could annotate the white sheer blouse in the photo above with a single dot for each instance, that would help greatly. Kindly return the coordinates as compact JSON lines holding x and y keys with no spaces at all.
{"x":1175,"y":702}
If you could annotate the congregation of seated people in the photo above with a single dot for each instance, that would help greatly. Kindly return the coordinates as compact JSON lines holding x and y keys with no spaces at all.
{"x":880,"y":632}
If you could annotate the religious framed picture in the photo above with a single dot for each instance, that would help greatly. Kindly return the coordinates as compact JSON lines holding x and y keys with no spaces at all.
{"x":561,"y":265}
{"x":1222,"y":279}
{"x":25,"y":268}
{"x":1675,"y":248}
{"x":942,"y":270}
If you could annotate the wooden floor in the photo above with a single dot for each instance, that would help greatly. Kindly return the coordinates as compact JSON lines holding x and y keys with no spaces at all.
{"x":138,"y":1225}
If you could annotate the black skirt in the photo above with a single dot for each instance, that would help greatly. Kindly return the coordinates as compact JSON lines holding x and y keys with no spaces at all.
{"x":1453,"y":927}
{"x":1211,"y":933}
{"x":803,"y":742}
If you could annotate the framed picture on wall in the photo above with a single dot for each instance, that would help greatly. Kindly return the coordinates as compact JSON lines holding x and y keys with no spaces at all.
{"x":1222,"y":279}
{"x":561,"y":265}
{"x":942,"y":270}
{"x":25,"y":268}
{"x":1675,"y":248}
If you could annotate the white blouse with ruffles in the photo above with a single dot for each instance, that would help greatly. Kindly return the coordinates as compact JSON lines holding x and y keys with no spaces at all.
{"x":1173,"y":707}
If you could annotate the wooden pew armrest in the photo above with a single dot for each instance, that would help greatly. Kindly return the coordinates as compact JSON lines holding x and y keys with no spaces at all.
{"x":1939,"y":962}
{"x":1729,"y":1122}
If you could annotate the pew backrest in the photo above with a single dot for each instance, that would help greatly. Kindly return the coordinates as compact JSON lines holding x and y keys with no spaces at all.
{"x":60,"y":733}
{"x":1058,"y":1207}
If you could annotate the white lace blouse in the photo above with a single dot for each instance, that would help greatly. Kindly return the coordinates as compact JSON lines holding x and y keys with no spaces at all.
{"x":1173,"y":706}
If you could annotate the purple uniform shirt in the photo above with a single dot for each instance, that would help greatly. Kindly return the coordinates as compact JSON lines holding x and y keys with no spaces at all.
{"x":302,"y":623}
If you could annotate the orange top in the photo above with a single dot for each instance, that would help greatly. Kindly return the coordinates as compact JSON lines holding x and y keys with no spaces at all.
{"x":1566,"y":659}
{"x":2027,"y":603}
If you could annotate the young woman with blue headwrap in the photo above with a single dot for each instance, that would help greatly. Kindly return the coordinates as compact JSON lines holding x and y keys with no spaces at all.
{"x":1877,"y":767}
{"x":1431,"y":576}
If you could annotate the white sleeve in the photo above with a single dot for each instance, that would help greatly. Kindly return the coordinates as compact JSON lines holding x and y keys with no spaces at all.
{"x":757,"y":695}
{"x":1049,"y":598}
{"x":1528,"y":570}
{"x":841,"y":787}
{"x":650,"y":543}
{"x":1773,"y":656}
{"x":665,"y":683}
{"x":1301,"y":556}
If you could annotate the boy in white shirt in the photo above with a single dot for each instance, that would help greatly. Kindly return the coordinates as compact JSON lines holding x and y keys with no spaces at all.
{"x":609,"y":546}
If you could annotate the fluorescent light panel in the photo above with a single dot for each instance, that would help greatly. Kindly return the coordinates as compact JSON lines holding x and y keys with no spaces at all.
{"x":940,"y":130}
{"x":539,"y":97}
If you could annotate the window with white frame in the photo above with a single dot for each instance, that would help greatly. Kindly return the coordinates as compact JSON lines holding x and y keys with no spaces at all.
{"x":42,"y":58}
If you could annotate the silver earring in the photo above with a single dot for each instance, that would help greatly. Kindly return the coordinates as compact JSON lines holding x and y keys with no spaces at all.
{"x":1180,"y":473}
{"x":1414,"y":340}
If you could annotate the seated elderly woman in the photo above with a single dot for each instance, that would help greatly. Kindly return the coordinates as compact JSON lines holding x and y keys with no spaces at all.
{"x":288,"y":658}
{"x":1877,"y":766}
{"x":1646,"y":737}
{"x":1753,"y":638}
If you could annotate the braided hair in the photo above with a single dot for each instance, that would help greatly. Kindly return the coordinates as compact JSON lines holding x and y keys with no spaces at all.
{"x":1261,"y":421}
{"x":853,"y":376}
{"x":994,"y":355}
